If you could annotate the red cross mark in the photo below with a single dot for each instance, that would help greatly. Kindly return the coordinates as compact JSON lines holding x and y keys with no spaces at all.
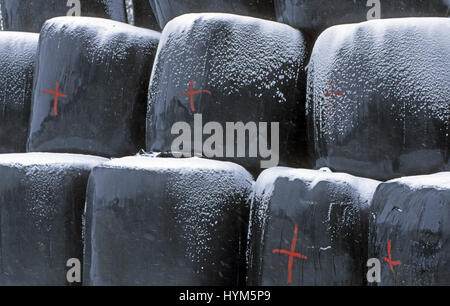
{"x":291,"y":254}
{"x":193,"y":92}
{"x":57,"y":94}
{"x":390,"y":261}
{"x":330,"y":96}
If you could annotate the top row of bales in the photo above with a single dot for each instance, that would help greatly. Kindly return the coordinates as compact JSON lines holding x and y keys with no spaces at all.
{"x":312,"y":16}
{"x":386,"y":119}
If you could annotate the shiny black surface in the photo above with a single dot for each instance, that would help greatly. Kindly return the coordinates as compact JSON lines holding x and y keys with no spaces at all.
{"x":332,"y":222}
{"x":415,"y":220}
{"x":144,"y":16}
{"x":392,"y":117}
{"x":17,"y":56}
{"x":155,"y":226}
{"x":41,"y":209}
{"x":317,"y":15}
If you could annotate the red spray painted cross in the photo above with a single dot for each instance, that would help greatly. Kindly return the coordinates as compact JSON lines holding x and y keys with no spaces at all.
{"x":330,"y":96}
{"x":291,"y":254}
{"x":390,"y":261}
{"x":193,"y":92}
{"x":57,"y":94}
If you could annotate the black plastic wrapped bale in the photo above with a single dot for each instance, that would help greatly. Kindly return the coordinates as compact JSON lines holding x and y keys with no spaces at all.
{"x":236,"y":84}
{"x":42,"y":199}
{"x":17,"y":56}
{"x":410,"y":230}
{"x":158,"y":221}
{"x":308,"y":228}
{"x":317,"y":15}
{"x":168,"y":9}
{"x":91,"y":86}
{"x":30,"y":15}
{"x":144,"y":16}
{"x":378,"y":98}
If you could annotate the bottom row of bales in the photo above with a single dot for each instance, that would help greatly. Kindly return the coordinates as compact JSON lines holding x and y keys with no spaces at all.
{"x":146,"y":220}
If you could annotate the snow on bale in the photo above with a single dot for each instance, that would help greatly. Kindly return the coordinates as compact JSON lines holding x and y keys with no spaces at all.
{"x":229,"y":87}
{"x":412,"y":214}
{"x":42,"y":199}
{"x":319,"y":215}
{"x":164,"y":221}
{"x":169,"y":9}
{"x":100,"y":68}
{"x":378,"y":98}
{"x":144,"y":16}
{"x":317,"y":15}
{"x":30,"y":15}
{"x":17,"y":56}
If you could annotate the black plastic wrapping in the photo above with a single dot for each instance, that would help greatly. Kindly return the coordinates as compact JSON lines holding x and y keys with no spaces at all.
{"x":329,"y":212}
{"x":412,"y":215}
{"x":17,"y":56}
{"x":102,"y":67}
{"x":163,"y":221}
{"x":315,"y":16}
{"x":30,"y":15}
{"x":169,"y":9}
{"x":378,"y":98}
{"x":42,"y":199}
{"x":254,"y":71}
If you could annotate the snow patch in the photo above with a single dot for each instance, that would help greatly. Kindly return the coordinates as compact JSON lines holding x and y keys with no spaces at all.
{"x":61,"y":160}
{"x":249,"y":51}
{"x":99,"y":34}
{"x":181,"y":165}
{"x":439,"y":181}
{"x":361,"y":187}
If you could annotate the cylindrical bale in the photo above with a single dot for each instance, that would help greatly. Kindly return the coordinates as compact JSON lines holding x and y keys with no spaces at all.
{"x":308,"y":228}
{"x":229,"y":87}
{"x":42,"y":199}
{"x":316,"y":15}
{"x":158,"y":221}
{"x":378,"y":98}
{"x":30,"y":15}
{"x":90,"y":87}
{"x":17,"y":58}
{"x":169,"y":9}
{"x":410,"y":231}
